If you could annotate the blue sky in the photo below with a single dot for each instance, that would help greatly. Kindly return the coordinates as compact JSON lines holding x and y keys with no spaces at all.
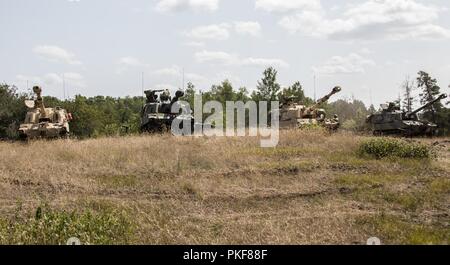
{"x":102,"y":46}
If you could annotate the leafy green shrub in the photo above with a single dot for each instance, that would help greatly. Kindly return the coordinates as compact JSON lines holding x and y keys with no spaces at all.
{"x":389,"y":147}
{"x":313,"y":128}
{"x":50,"y":227}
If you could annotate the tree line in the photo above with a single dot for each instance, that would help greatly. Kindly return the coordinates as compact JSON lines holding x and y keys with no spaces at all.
{"x":106,"y":116}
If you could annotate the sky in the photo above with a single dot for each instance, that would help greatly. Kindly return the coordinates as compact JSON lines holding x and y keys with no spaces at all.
{"x":105,"y":47}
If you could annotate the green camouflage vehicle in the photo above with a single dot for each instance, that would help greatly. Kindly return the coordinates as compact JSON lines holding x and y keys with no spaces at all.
{"x":157,"y":115}
{"x":390,"y":120}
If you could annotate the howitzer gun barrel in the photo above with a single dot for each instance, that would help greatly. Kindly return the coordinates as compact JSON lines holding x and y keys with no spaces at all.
{"x":39,"y":100}
{"x":441,"y":97}
{"x":335,"y":90}
{"x":153,"y":91}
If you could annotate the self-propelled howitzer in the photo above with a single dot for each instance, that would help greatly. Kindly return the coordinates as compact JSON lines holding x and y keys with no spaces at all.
{"x":295,"y":115}
{"x":42,"y":122}
{"x":390,"y":120}
{"x":157,"y":115}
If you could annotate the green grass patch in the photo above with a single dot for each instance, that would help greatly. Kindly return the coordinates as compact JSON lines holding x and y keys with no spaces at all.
{"x":278,"y":151}
{"x":390,"y":147}
{"x":440,"y":186}
{"x":408,"y":201}
{"x":348,"y":158}
{"x":284,"y":152}
{"x":289,"y":167}
{"x":395,"y":230}
{"x":119,"y":181}
{"x":53,"y":227}
{"x":363,"y":180}
{"x":383,"y":189}
{"x":314,"y":128}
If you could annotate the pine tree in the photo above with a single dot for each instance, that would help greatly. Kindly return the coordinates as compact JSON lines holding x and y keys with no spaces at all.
{"x":294,"y":92}
{"x":189,"y":94}
{"x":430,"y":90}
{"x":268,"y":87}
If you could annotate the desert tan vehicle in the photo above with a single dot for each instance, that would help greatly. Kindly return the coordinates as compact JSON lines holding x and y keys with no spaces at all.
{"x":295,"y":115}
{"x":42,"y":122}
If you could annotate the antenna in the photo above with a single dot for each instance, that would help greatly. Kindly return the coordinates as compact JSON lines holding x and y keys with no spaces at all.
{"x":183,"y":80}
{"x":314,"y":87}
{"x":64,"y":86}
{"x":143,"y":85}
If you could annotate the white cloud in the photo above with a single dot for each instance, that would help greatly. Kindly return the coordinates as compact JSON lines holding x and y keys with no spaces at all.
{"x":222,"y":31}
{"x":53,"y":80}
{"x":56,"y":54}
{"x":264,"y":62}
{"x":171,"y":71}
{"x":372,"y":19}
{"x":194,"y":44}
{"x":177,"y":72}
{"x":130,"y":61}
{"x":195,"y":78}
{"x":127,"y":62}
{"x":248,"y":28}
{"x":171,"y":87}
{"x":233,"y":59}
{"x":213,"y":32}
{"x":182,"y":5}
{"x":24,"y":80}
{"x":287,"y":5}
{"x":71,"y":79}
{"x":365,"y":51}
{"x":227,"y":75}
{"x":350,"y":64}
{"x":216,"y":57}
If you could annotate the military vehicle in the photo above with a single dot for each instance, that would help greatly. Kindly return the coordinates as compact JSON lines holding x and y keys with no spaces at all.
{"x":157,"y":115}
{"x":42,"y":122}
{"x":295,"y":115}
{"x":390,"y":120}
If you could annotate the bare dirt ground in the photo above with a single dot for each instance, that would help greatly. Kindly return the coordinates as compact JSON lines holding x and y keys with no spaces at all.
{"x":311,"y":189}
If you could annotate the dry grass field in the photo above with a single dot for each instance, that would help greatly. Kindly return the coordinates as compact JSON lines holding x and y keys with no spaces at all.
{"x":314,"y":188}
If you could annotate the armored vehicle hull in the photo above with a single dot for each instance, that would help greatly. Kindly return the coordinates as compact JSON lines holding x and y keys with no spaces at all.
{"x":391,"y":121}
{"x":157,"y":115}
{"x":402,"y":128}
{"x":44,"y":123}
{"x":161,"y":122}
{"x":294,"y":115}
{"x":44,"y":130}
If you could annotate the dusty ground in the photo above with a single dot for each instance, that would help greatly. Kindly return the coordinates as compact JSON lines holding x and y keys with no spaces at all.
{"x":311,"y":189}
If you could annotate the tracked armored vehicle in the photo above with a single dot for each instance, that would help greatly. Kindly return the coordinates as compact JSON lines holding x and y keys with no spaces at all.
{"x":42,"y":122}
{"x":295,"y":115}
{"x":390,"y":120}
{"x":157,"y":115}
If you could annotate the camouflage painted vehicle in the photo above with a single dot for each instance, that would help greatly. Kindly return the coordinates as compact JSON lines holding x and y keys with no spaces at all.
{"x":42,"y":122}
{"x":157,"y":115}
{"x":390,"y":120}
{"x":294,"y":115}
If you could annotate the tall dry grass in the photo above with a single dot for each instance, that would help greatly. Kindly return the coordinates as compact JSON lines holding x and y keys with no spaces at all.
{"x":205,"y":190}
